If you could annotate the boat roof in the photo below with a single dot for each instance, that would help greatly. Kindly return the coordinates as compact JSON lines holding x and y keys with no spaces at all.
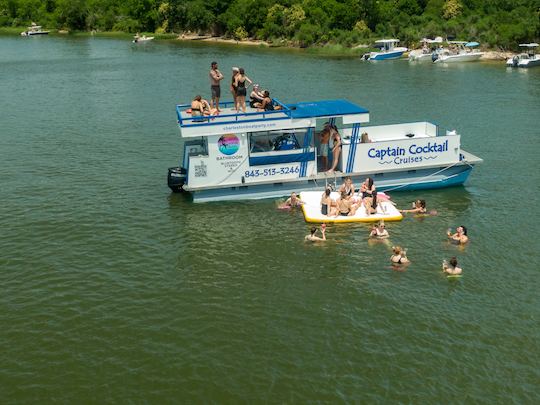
{"x":437,"y":40}
{"x":385,"y":41}
{"x":302,"y":114}
{"x":458,"y":42}
{"x":325,"y":108}
{"x":472,"y":44}
{"x":531,"y":45}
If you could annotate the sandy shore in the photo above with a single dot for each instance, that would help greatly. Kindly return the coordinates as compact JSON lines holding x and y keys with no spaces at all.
{"x":221,"y":40}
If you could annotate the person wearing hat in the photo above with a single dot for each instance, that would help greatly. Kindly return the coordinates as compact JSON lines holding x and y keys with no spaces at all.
{"x":235,"y":71}
{"x":215,"y":88}
{"x":256,"y":97}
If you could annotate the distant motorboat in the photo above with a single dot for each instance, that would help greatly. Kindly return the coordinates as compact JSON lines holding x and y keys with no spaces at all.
{"x":459,"y":51}
{"x":428,"y":50}
{"x":526,"y":59}
{"x":34,"y":29}
{"x":388,"y":50}
{"x":138,"y":39}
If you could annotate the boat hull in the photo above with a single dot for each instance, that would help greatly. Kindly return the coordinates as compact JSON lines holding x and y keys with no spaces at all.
{"x":385,"y":55}
{"x":459,"y":58}
{"x":422,"y":179}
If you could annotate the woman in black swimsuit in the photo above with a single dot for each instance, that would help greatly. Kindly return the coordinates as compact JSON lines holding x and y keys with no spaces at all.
{"x":336,"y":150}
{"x":326,"y":202}
{"x":240,"y":82}
{"x":399,"y":255}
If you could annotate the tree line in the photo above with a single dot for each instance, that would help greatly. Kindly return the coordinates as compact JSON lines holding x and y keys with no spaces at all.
{"x":496,"y":23}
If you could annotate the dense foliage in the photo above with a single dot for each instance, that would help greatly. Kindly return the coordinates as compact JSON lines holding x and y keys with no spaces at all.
{"x":502,"y":23}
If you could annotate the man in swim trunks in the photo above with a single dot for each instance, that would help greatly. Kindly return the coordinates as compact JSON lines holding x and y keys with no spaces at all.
{"x":215,"y":77}
{"x":324,"y":137}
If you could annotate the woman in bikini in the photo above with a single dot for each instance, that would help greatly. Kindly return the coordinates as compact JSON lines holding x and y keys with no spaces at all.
{"x":399,"y":255}
{"x":336,"y":149}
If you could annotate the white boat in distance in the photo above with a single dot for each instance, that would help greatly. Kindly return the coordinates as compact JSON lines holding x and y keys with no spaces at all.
{"x":428,"y":52}
{"x":525,"y":59}
{"x":34,"y":29}
{"x":459,"y":51}
{"x":388,"y":50}
{"x":139,"y":40}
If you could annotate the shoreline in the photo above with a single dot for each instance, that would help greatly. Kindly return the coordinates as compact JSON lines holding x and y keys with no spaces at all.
{"x":325,"y":50}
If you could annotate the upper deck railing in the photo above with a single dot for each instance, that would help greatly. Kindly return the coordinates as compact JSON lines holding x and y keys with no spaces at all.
{"x":187,"y":120}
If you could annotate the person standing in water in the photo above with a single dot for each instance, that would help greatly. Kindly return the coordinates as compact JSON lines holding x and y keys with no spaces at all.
{"x":460,"y":236}
{"x":215,"y":77}
{"x":451,"y":268}
{"x":312,"y":238}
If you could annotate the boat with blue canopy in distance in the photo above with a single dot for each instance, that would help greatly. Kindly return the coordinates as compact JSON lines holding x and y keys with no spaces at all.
{"x":459,"y":51}
{"x":389,"y":50}
{"x":526,"y":59}
{"x":268,"y":154}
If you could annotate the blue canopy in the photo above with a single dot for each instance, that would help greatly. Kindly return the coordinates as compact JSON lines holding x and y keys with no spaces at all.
{"x":325,"y":108}
{"x":472,"y":44}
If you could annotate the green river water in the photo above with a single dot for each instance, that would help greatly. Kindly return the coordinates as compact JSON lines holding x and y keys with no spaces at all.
{"x":115,"y":290}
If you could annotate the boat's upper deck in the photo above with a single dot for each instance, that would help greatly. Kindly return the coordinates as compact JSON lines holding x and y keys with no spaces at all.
{"x":289,"y":115}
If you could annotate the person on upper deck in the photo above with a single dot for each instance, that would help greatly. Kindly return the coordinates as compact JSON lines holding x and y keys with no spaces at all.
{"x":233,"y":87}
{"x":256,"y":97}
{"x":364,"y":138}
{"x":215,"y":77}
{"x":336,"y":148}
{"x":197,"y":107}
{"x":267,"y":103}
{"x":240,"y":82}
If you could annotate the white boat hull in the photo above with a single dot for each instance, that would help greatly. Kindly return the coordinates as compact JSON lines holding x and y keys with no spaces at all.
{"x":466,"y":57}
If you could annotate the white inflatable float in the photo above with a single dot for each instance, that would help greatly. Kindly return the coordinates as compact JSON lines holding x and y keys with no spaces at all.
{"x":312,"y":210}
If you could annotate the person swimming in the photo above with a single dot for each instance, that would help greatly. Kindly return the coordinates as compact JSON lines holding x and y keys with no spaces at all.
{"x":460,"y":236}
{"x":379,"y":231}
{"x":451,"y":268}
{"x":419,"y":207}
{"x":399,"y":255}
{"x":313,"y":238}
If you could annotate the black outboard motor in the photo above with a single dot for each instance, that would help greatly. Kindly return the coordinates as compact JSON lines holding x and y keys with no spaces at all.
{"x":434,"y":56}
{"x":176,"y":179}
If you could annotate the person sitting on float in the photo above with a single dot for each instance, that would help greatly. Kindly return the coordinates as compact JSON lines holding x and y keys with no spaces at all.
{"x":369,"y":196}
{"x":326,"y":202}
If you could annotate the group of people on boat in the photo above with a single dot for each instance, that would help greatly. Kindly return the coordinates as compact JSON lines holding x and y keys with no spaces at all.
{"x":258,"y":98}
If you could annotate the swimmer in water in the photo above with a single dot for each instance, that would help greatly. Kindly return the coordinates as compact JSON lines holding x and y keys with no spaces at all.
{"x":451,"y":268}
{"x":399,"y":255}
{"x":312,"y":238}
{"x":379,"y":231}
{"x":460,"y":236}
{"x":419,"y":207}
{"x":292,"y":202}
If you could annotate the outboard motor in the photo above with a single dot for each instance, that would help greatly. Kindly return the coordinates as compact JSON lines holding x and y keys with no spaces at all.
{"x":366,"y":56}
{"x":176,"y":179}
{"x":515,"y":60}
{"x":434,"y":56}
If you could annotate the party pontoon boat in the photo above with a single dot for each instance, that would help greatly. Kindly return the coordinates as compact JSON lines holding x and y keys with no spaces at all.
{"x":267,"y":154}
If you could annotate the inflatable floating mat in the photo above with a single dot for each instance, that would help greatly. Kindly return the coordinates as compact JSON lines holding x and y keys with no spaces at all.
{"x":312,"y":210}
